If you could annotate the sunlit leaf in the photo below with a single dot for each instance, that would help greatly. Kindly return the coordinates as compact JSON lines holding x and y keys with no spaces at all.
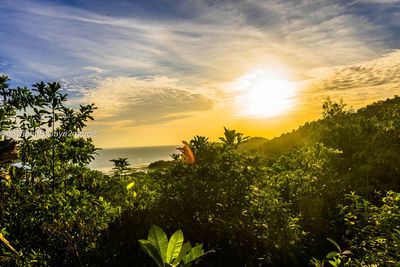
{"x":159,"y":240}
{"x":130,"y":185}
{"x":174,"y":246}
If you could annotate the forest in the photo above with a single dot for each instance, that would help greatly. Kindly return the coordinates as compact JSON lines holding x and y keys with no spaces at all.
{"x":326,"y":194}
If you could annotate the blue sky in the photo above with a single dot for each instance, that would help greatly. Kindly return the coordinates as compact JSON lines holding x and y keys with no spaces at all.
{"x":157,"y":66}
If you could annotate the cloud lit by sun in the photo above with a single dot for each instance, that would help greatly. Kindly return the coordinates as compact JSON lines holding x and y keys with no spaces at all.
{"x":263,"y":94}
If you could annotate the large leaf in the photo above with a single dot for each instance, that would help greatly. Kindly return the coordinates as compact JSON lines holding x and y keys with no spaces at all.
{"x":184,"y":250}
{"x":151,"y":251}
{"x":159,"y":240}
{"x":194,"y":254}
{"x":332,"y":254}
{"x":334,"y":243}
{"x":174,"y":246}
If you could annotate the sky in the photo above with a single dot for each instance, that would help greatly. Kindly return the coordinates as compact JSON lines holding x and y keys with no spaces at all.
{"x":163,"y":71}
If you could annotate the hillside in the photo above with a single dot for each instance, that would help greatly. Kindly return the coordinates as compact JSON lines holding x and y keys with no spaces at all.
{"x":253,"y":144}
{"x":374,"y":108}
{"x":297,"y":138}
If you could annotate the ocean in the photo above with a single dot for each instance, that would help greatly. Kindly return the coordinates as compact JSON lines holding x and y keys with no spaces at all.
{"x":137,"y":156}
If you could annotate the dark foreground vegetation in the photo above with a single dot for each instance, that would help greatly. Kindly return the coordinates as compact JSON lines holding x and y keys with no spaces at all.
{"x":322,"y":195}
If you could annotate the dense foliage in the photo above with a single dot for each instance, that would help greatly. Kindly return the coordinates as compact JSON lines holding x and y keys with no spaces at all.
{"x":288,"y":201}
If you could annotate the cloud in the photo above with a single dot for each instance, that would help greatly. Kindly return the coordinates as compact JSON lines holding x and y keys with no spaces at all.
{"x":381,"y":1}
{"x":376,"y":72}
{"x":95,"y":69}
{"x":128,"y":102}
{"x":357,"y":84}
{"x":199,"y":48}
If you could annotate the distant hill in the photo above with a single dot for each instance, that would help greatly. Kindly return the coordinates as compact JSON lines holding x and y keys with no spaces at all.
{"x":253,"y":144}
{"x":297,"y":138}
{"x":286,"y":141}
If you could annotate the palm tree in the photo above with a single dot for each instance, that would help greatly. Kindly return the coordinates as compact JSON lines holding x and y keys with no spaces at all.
{"x":232,"y":139}
{"x":121,"y":165}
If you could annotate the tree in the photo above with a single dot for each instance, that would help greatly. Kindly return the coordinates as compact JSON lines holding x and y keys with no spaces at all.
{"x":121,"y":166}
{"x":331,"y":109}
{"x":203,"y":149}
{"x":48,"y":130}
{"x":7,"y":111}
{"x":232,"y":139}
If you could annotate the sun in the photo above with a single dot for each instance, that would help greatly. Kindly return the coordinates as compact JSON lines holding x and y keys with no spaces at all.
{"x":264,"y":95}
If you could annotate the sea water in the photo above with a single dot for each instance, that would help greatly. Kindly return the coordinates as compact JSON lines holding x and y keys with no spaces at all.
{"x":137,"y":156}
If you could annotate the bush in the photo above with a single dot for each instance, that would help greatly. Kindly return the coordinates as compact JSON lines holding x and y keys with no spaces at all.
{"x":373,"y":231}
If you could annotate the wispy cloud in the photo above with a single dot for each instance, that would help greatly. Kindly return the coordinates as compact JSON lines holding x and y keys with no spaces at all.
{"x":245,"y":34}
{"x":377,"y":72}
{"x":357,"y":84}
{"x":136,"y":102}
{"x":95,"y":69}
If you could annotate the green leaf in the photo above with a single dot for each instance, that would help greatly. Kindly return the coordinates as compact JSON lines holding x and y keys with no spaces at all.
{"x":159,"y":240}
{"x":331,"y":255}
{"x":129,"y":186}
{"x":347,"y":252}
{"x":334,"y":243}
{"x":184,"y":250}
{"x":335,"y":263}
{"x":174,"y":246}
{"x":194,"y":254}
{"x":151,"y":251}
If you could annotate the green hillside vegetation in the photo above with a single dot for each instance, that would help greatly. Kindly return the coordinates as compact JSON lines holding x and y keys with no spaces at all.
{"x":298,"y":137}
{"x":286,"y":141}
{"x":252,"y":145}
{"x":323,"y":195}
